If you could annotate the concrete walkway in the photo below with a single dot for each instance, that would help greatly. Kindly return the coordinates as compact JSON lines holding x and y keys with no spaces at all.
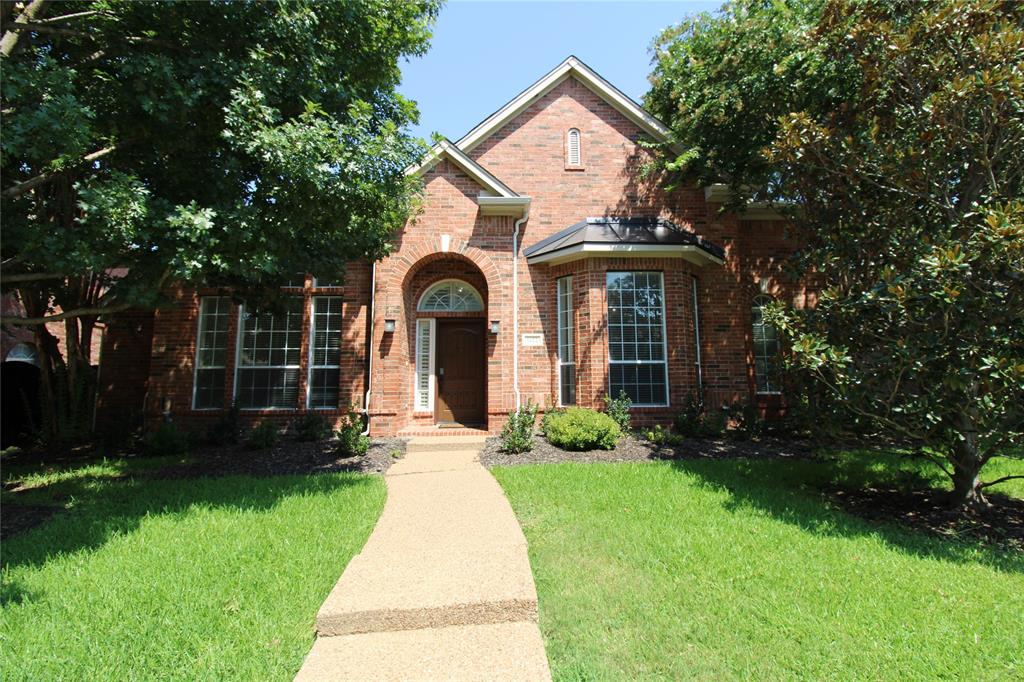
{"x":442,"y":590}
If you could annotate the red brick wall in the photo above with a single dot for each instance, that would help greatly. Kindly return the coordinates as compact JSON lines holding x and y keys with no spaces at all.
{"x":528,"y":154}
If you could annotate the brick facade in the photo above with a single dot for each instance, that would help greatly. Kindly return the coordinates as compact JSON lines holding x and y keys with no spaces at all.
{"x":451,"y":238}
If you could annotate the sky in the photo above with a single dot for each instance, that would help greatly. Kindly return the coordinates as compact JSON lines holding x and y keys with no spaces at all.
{"x":484,"y":53}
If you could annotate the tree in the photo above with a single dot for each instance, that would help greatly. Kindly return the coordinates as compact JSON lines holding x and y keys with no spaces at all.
{"x":900,"y":149}
{"x":226,"y":144}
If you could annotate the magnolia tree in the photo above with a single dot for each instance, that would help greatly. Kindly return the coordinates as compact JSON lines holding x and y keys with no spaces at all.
{"x":896,"y":143}
{"x":228,"y":144}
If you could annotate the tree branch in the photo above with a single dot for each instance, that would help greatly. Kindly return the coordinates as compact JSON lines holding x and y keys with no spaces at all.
{"x":37,"y":27}
{"x":43,"y":178}
{"x":9,"y":43}
{"x":30,"y":277}
{"x":77,"y":312}
{"x":1000,"y":480}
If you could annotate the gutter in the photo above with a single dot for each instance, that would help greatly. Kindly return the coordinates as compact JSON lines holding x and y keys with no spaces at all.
{"x":515,"y":304}
{"x":696,"y":333}
{"x":369,"y":348}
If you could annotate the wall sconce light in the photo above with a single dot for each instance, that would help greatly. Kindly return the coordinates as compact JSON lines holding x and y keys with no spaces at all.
{"x":389,"y":326}
{"x":495,"y":326}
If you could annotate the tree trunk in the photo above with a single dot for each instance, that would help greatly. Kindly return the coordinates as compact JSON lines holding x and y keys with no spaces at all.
{"x":967,"y":463}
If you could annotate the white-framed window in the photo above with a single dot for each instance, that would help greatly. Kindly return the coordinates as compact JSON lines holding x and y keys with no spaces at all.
{"x":566,"y":344}
{"x":767,"y":374}
{"x":269,"y":348}
{"x":451,"y":295}
{"x":424,"y":384}
{"x":211,"y":353}
{"x":637,"y":354}
{"x":324,"y":353}
{"x":573,"y":154}
{"x":320,"y":283}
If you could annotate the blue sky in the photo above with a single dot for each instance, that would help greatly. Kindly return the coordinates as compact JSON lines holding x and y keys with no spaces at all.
{"x":484,"y":53}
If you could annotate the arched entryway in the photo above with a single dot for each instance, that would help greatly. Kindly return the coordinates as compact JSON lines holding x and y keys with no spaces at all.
{"x":451,"y":353}
{"x":19,"y":376}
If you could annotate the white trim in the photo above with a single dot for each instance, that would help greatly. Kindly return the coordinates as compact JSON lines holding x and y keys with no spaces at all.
{"x":583,"y":73}
{"x":690,"y":252}
{"x":513,"y":206}
{"x":431,"y":324}
{"x":470,"y":167}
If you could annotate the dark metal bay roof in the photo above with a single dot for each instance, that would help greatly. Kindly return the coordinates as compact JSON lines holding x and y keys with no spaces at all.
{"x":621,"y":231}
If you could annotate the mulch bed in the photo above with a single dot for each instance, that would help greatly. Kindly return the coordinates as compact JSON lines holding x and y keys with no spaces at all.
{"x":1001,"y":523}
{"x":288,"y":457}
{"x":632,"y":449}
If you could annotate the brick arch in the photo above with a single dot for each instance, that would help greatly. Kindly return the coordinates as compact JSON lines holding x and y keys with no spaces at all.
{"x":407,"y":264}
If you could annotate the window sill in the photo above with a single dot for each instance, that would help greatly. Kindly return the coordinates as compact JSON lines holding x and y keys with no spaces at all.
{"x":575,"y":168}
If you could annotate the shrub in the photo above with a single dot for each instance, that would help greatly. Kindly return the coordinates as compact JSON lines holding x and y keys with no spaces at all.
{"x":695,"y":421}
{"x":351,"y":441}
{"x":225,"y":430}
{"x":578,"y":428}
{"x":618,"y":409}
{"x":517,"y":434}
{"x":311,"y":427}
{"x":167,"y":440}
{"x":746,"y":419}
{"x":661,"y":436}
{"x":263,"y":435}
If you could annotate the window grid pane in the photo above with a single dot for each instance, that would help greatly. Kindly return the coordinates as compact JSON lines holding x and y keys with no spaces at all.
{"x":566,"y":344}
{"x":211,"y":351}
{"x":268,"y":358}
{"x":636,"y":338}
{"x":767,"y":371}
{"x":451,"y":296}
{"x":325,"y":352}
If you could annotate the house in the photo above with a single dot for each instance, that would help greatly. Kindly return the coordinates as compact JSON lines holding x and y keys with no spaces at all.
{"x":544,"y":266}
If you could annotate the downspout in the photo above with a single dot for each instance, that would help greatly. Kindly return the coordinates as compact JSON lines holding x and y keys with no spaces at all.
{"x":369,"y":348}
{"x":696,"y":333}
{"x":515,"y":305}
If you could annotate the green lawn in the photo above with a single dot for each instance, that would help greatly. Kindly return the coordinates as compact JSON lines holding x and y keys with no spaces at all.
{"x":216,"y":578}
{"x":739,"y":569}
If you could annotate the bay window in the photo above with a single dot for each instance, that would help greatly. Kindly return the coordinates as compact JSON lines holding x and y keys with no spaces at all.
{"x":637,"y":354}
{"x":211,"y":352}
{"x":269,"y":346}
{"x":566,"y":344}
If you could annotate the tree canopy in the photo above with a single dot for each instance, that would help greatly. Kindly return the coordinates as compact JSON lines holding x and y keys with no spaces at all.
{"x":228,"y":144}
{"x":894,"y":133}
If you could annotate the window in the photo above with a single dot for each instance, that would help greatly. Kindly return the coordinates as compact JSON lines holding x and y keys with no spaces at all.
{"x":451,"y":295}
{"x":636,"y":337}
{"x":572,"y":148}
{"x":325,"y":352}
{"x":424,"y":365}
{"x":268,"y":357}
{"x":566,"y":344}
{"x":766,"y":349}
{"x":320,"y":283}
{"x":211,"y":350}
{"x":296,"y":281}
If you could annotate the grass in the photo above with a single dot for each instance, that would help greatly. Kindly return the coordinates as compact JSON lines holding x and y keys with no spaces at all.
{"x":214,"y":578}
{"x":740,"y":569}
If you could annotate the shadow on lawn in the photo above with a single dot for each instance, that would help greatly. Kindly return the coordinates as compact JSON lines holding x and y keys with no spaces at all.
{"x":793,"y":492}
{"x":103,"y":509}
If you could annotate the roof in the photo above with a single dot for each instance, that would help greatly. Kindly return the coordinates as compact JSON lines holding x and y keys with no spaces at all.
{"x":636,"y":236}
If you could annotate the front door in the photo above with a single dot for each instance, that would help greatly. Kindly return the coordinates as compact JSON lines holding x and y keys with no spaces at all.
{"x":461,"y":364}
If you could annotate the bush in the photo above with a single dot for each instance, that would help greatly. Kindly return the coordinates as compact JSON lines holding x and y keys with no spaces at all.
{"x":311,"y":427}
{"x":351,"y":441}
{"x":225,"y":430}
{"x":167,"y":440}
{"x":578,"y":428}
{"x":618,"y":409}
{"x":517,"y":434}
{"x":661,"y":436}
{"x":264,"y":435}
{"x":746,"y":419}
{"x":695,"y":421}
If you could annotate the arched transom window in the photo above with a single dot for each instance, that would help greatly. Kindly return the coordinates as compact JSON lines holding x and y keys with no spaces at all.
{"x":451,"y":295}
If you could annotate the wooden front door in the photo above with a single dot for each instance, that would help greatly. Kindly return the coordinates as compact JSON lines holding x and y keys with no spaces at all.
{"x":460,"y":366}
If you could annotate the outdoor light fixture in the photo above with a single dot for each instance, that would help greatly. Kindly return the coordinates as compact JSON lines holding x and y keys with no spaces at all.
{"x":389,"y":326}
{"x":495,"y":326}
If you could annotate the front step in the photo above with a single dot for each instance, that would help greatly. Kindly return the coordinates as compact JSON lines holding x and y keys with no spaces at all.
{"x":445,"y":443}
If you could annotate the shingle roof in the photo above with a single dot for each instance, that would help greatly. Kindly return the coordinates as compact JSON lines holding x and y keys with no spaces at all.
{"x":633,"y":231}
